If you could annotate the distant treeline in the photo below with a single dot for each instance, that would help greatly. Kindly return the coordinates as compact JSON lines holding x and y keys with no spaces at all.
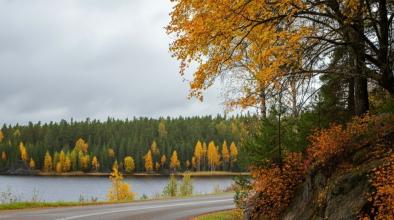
{"x":137,"y":145}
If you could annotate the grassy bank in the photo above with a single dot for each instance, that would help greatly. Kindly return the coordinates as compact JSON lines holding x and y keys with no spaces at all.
{"x":223,"y":215}
{"x":27,"y":205}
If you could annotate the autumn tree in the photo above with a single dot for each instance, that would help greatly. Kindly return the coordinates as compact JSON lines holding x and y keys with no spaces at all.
{"x":148,"y":162}
{"x":225,"y":155}
{"x":119,"y":191}
{"x":95,"y":164}
{"x":213,"y":156}
{"x":4,"y":156}
{"x":23,"y":152}
{"x":174,"y":163}
{"x":32,"y":164}
{"x":163,"y":160}
{"x":47,"y":162}
{"x":198,"y":154}
{"x":233,"y":154}
{"x":282,"y":39}
{"x":81,"y":145}
{"x":1,"y":136}
{"x":162,"y":129}
{"x":129,"y":164}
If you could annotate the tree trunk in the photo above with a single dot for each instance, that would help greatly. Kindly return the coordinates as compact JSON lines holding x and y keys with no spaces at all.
{"x":350,"y":98}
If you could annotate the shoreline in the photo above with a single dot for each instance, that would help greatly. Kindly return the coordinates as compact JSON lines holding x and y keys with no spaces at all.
{"x":82,"y":174}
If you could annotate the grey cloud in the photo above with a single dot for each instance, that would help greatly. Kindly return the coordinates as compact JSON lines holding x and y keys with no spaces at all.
{"x":66,"y":58}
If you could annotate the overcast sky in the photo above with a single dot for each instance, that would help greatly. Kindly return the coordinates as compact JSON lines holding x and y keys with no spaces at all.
{"x":68,"y":59}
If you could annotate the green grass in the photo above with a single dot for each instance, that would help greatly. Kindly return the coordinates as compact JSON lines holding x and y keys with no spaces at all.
{"x":223,"y":215}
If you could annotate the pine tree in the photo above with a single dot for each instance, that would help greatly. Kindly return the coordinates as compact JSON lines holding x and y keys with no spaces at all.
{"x":174,"y":164}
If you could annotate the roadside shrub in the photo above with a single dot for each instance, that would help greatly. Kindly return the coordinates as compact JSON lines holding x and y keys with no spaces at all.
{"x":186,"y":188}
{"x":172,"y":187}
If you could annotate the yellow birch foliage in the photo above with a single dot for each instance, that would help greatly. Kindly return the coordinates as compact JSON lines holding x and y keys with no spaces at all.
{"x":111,"y":153}
{"x":225,"y":153}
{"x":148,"y":162}
{"x":95,"y":164}
{"x":198,"y":154}
{"x":213,"y":156}
{"x":157,"y":166}
{"x":119,"y":191}
{"x":220,"y":35}
{"x":174,"y":164}
{"x":23,"y":152}
{"x":59,"y":168}
{"x":47,"y":162}
{"x":233,"y":153}
{"x":128,"y":164}
{"x":66,"y":165}
{"x":84,"y":162}
{"x":81,"y":145}
{"x":32,"y":164}
{"x":163,"y":160}
{"x":1,"y":136}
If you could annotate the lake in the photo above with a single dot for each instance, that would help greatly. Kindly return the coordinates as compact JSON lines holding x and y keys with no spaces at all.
{"x":72,"y":188}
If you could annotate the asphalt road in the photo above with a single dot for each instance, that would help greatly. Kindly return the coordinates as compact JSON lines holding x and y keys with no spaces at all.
{"x":173,"y":209}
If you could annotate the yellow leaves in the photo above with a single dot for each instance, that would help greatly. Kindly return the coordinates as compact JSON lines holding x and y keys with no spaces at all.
{"x":95,"y":164}
{"x":81,"y":145}
{"x":383,"y":181}
{"x":213,"y":156}
{"x":1,"y":136}
{"x":163,"y":160}
{"x":4,"y":156}
{"x":129,"y":164}
{"x":221,"y":35}
{"x":47,"y":162}
{"x":174,"y":162}
{"x":225,"y":153}
{"x":111,"y":152}
{"x":84,"y":162}
{"x":148,"y":162}
{"x":276,"y":186}
{"x":119,"y":191}
{"x":233,"y":152}
{"x":32,"y":164}
{"x":23,"y":152}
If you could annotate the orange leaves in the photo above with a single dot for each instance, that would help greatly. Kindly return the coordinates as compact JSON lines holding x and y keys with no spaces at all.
{"x":383,"y":198}
{"x":225,"y":35}
{"x":276,"y":186}
{"x":337,"y":140}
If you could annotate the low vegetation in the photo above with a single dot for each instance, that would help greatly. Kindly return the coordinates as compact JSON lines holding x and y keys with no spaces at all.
{"x":235,"y":214}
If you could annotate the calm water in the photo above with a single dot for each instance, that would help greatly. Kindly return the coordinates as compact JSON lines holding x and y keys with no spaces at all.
{"x":71,"y":188}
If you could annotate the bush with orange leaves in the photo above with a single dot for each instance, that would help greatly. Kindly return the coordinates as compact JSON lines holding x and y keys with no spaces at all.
{"x":382,"y":199}
{"x":274,"y":187}
{"x":332,"y":145}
